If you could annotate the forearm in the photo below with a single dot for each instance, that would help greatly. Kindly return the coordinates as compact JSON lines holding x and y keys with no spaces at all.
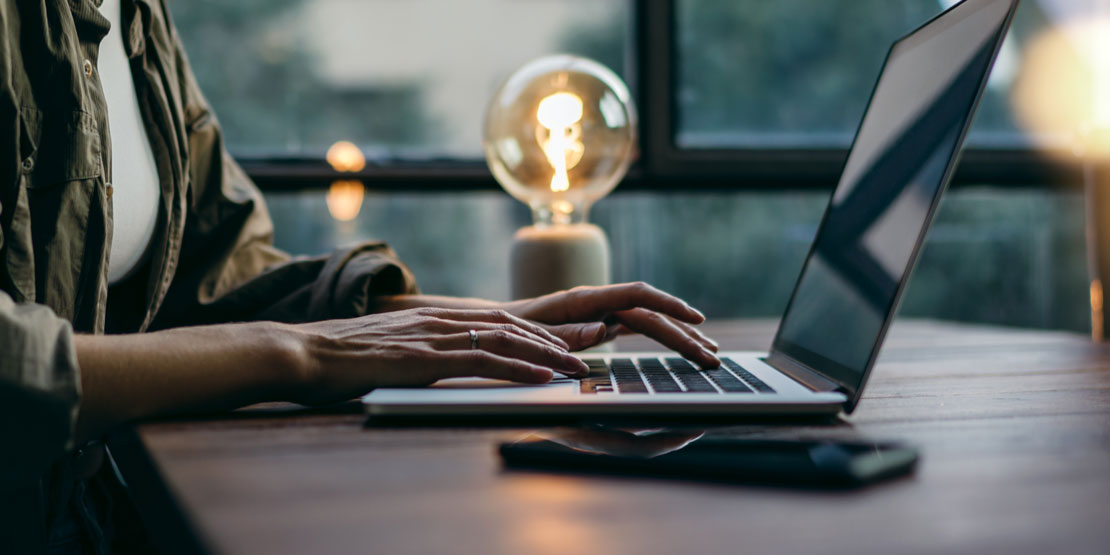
{"x":405,"y":302}
{"x":125,"y":377}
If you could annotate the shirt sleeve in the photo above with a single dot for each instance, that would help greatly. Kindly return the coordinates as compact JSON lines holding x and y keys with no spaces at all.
{"x":39,"y":379}
{"x":228,"y":268}
{"x":39,"y":390}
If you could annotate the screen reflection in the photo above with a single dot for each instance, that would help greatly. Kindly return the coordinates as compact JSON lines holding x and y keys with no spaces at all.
{"x":894,"y":174}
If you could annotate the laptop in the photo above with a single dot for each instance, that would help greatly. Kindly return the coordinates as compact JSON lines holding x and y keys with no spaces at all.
{"x":900,"y":162}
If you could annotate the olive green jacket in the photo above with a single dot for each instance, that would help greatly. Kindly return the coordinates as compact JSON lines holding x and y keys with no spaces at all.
{"x":211,"y":259}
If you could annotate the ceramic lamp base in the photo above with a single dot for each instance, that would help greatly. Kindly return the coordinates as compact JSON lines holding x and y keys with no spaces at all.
{"x":552,"y":258}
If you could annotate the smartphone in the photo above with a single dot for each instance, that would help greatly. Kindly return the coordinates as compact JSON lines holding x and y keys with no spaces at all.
{"x":779,"y":462}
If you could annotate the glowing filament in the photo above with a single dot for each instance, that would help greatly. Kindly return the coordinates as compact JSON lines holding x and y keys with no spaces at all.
{"x":560,"y":136}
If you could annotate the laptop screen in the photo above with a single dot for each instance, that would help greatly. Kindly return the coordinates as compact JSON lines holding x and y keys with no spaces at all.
{"x":897,"y":168}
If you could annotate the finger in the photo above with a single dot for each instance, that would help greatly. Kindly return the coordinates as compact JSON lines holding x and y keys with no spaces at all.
{"x":697,"y":334}
{"x":666,"y":332}
{"x":613,"y":331}
{"x":594,"y":301}
{"x":500,"y":342}
{"x":500,"y":316}
{"x":484,"y":364}
{"x":580,"y":336}
{"x":455,"y":326}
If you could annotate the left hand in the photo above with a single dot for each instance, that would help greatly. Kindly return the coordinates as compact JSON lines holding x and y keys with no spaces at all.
{"x":587,"y":316}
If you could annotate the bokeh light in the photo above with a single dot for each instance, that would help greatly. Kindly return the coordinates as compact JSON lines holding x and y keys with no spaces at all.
{"x":344,"y":156}
{"x":345,"y":199}
{"x":1062,"y":93}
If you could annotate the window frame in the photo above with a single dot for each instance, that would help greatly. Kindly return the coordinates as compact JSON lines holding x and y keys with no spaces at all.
{"x":664,"y":166}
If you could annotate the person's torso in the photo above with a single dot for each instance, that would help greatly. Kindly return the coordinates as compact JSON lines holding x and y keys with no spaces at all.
{"x":57,"y":214}
{"x":133,"y":175}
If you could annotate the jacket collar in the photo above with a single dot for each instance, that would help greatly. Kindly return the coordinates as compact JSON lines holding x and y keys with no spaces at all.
{"x":136,"y":24}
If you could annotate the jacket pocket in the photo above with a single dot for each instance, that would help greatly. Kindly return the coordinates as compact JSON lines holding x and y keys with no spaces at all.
{"x":58,"y":193}
{"x":67,"y":147}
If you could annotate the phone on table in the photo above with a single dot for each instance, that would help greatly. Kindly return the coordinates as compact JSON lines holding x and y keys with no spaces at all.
{"x":782,"y":462}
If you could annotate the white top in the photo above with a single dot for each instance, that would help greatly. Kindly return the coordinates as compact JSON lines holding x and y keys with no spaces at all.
{"x":136,"y":191}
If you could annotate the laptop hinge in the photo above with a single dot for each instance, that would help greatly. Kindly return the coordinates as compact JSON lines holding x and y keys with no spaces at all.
{"x":801,"y":374}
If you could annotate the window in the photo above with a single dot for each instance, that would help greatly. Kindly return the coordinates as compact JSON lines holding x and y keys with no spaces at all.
{"x":747,"y":107}
{"x":1002,"y":256}
{"x":405,"y":79}
{"x":798,"y":73}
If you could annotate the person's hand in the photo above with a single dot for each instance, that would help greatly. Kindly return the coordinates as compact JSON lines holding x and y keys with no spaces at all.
{"x":586,"y":316}
{"x":341,"y":359}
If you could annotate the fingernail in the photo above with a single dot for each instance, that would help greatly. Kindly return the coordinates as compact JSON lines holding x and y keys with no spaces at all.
{"x":575,"y":367}
{"x":583,"y":369}
{"x":696,"y":312}
{"x":709,"y":355}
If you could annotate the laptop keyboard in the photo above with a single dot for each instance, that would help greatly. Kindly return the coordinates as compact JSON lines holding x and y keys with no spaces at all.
{"x":673,"y":375}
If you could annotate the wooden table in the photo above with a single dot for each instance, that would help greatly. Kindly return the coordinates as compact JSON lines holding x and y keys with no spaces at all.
{"x":1013,"y":427}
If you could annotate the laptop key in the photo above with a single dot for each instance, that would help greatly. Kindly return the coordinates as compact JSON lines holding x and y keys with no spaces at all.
{"x":627,"y":379}
{"x":680,"y":364}
{"x":756,"y":383}
{"x":694,"y":381}
{"x":727,"y":382}
{"x":662,"y":382}
{"x":598,"y":368}
{"x":690,"y":377}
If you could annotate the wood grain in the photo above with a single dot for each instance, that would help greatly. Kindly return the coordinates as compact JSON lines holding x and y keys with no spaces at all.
{"x":1013,"y":426}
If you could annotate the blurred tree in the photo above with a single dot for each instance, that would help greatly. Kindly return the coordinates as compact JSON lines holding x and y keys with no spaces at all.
{"x":259,"y":74}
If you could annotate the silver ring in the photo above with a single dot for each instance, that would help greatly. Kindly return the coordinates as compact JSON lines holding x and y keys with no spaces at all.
{"x":473,"y":339}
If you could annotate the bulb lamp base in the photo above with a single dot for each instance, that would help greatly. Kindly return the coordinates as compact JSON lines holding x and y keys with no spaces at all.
{"x":557,"y":257}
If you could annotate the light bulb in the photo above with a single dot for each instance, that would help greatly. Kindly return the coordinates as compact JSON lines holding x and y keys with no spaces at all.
{"x":559,"y":134}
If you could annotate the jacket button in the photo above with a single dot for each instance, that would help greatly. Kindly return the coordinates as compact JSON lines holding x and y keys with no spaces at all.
{"x":28,"y":164}
{"x":109,"y":190}
{"x":88,"y":68}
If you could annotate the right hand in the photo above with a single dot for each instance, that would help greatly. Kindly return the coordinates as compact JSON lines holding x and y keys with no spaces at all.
{"x":342,"y":359}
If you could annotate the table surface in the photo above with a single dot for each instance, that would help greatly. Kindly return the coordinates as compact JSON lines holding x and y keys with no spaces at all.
{"x":1013,"y":428}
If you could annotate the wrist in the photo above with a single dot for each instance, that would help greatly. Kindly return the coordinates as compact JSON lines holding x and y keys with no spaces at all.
{"x":522,"y":308}
{"x":287,"y":352}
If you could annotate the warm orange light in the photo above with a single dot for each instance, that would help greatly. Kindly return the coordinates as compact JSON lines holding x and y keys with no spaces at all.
{"x":552,"y":516}
{"x":344,"y":156}
{"x":1096,"y":310}
{"x":345,"y":199}
{"x":1062,"y":92}
{"x":560,"y":135}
